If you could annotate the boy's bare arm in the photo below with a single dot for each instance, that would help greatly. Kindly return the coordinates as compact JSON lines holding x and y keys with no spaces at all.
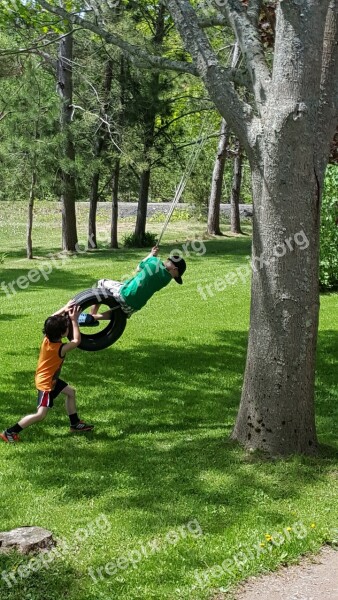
{"x":65,"y":308}
{"x":153,"y":252}
{"x":74,"y":312}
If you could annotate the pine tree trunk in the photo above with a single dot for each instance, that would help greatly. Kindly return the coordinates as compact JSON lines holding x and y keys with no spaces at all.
{"x":150,"y":120}
{"x":93,"y":200}
{"x":68,"y":186}
{"x":99,"y":145}
{"x":235,"y":221}
{"x":141,"y":218}
{"x":30,"y":215}
{"x":114,"y":216}
{"x":213,"y":227}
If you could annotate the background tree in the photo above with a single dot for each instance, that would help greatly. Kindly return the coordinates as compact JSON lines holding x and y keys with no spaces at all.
{"x":235,"y":221}
{"x":68,"y":181}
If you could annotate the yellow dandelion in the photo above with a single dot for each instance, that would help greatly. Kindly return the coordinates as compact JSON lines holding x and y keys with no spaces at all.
{"x":313,"y":525}
{"x":268,"y":537}
{"x":262,"y":545}
{"x":289,"y":529}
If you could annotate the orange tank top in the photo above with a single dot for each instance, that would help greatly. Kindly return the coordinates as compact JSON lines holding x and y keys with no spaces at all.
{"x":49,"y":365}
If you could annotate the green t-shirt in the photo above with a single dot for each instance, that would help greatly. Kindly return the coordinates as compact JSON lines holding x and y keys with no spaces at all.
{"x":152,"y":277}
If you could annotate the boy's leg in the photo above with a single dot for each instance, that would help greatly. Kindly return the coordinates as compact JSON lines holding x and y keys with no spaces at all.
{"x":76,"y":424}
{"x":40,"y":415}
{"x":11,"y":434}
{"x":107,"y":284}
{"x":90,"y":319}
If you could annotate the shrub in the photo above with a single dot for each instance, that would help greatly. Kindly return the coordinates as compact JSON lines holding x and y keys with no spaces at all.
{"x":328,"y":269}
{"x":149,"y":240}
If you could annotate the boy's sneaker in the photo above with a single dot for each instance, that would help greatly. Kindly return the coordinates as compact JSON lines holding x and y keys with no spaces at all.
{"x":87,"y":320}
{"x":81,"y":426}
{"x":11,"y":438}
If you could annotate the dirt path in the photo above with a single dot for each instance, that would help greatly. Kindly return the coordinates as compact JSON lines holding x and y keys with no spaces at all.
{"x":314,"y":578}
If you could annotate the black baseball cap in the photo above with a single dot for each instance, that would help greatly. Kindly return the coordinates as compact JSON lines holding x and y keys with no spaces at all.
{"x":179,"y":262}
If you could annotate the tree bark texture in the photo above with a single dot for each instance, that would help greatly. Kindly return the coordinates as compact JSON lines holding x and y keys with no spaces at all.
{"x":213,"y":227}
{"x":68,"y":184}
{"x":235,"y":221}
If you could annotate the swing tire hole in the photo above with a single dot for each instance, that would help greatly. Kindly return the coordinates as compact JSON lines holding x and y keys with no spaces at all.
{"x":91,"y":341}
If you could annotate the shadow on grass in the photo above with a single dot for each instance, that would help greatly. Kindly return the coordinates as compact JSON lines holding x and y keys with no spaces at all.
{"x":236,"y":246}
{"x":58,"y":279}
{"x":39,"y":585}
{"x":9,"y":317}
{"x":167,"y":433}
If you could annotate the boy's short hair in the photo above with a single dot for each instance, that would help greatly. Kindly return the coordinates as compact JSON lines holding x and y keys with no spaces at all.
{"x":55,"y":326}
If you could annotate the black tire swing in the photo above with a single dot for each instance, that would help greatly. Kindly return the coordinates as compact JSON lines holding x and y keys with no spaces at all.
{"x":104,"y":338}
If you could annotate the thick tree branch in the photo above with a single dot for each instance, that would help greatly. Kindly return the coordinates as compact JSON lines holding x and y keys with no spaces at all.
{"x":50,"y":62}
{"x":254,"y":9}
{"x":237,"y":113}
{"x":213,"y":21}
{"x":139,"y":56}
{"x":251,"y":46}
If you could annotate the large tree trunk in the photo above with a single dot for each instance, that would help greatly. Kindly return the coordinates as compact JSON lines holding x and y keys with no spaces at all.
{"x":30,"y":215}
{"x":99,"y":144}
{"x":115,"y":194}
{"x":68,"y":186}
{"x":235,"y":221}
{"x":277,"y":407}
{"x":217,"y":181}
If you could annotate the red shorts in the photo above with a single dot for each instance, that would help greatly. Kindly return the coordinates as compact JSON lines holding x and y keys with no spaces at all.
{"x":46,"y":398}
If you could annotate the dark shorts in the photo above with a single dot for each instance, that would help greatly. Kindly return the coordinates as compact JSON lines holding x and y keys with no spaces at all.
{"x":47,"y":398}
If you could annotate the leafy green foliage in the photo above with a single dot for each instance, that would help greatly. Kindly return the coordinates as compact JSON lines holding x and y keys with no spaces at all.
{"x":329,"y":231}
{"x":149,"y":240}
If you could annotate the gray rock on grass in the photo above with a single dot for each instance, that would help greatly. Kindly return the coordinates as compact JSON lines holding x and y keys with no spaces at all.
{"x":26,"y":539}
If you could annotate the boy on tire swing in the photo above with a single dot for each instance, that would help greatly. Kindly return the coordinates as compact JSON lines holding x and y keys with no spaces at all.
{"x":47,"y":380}
{"x":151,"y":276}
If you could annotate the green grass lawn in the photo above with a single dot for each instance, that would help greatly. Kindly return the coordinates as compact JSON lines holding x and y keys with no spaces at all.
{"x":157,"y":495}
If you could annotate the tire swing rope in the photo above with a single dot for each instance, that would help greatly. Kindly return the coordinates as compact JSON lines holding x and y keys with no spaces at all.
{"x":184,"y":179}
